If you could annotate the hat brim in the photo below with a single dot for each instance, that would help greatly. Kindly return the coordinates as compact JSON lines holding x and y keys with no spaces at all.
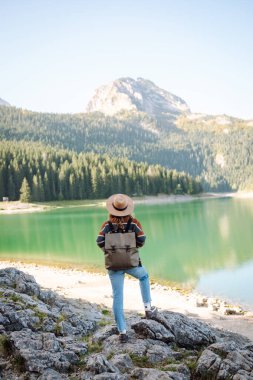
{"x":113,"y":211}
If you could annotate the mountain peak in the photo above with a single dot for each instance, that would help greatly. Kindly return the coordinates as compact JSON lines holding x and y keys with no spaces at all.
{"x":139,"y":95}
{"x":4,"y":103}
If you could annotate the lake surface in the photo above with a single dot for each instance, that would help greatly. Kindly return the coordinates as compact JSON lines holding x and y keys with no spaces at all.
{"x":204,"y":243}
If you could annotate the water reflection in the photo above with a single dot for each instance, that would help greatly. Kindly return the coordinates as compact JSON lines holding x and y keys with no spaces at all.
{"x":185,"y":242}
{"x":235,"y":284}
{"x":224,"y":227}
{"x":189,"y":239}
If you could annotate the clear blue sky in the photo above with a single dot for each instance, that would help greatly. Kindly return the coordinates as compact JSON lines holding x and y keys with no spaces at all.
{"x":55,"y":53}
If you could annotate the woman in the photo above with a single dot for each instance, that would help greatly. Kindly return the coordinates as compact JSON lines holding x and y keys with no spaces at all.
{"x":120,"y":208}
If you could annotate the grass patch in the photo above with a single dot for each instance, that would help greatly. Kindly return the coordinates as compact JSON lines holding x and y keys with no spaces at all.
{"x":141,"y":361}
{"x":221,"y":353}
{"x":61,"y":318}
{"x":110,"y":356}
{"x":91,"y":346}
{"x":19,"y":363}
{"x":144,"y":362}
{"x":103,"y":323}
{"x":57,"y":329}
{"x":162,"y":365}
{"x":41,"y":315}
{"x":9,"y":298}
{"x":94,"y":347}
{"x":192,"y":365}
{"x":106,"y":312}
{"x":15,"y":298}
{"x":5,"y":346}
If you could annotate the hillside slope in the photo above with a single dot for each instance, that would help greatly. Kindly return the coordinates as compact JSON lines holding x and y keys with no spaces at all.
{"x":4,"y":103}
{"x":217,"y":149}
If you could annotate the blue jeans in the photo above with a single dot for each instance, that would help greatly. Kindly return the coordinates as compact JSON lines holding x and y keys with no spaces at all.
{"x":117,"y":281}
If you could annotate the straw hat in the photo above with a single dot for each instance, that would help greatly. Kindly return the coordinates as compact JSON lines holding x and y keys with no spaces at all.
{"x":120,"y":205}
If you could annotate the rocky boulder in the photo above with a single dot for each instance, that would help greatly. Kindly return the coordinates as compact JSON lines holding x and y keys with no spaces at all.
{"x":226,"y":360}
{"x":174,"y":327}
{"x":47,"y":337}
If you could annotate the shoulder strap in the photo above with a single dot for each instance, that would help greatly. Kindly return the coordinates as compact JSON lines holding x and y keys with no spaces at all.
{"x":128,"y":224}
{"x":112,"y":229}
{"x":111,"y":226}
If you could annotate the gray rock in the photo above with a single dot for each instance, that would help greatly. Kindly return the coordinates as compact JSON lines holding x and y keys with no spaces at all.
{"x":152,"y":374}
{"x":181,"y":368}
{"x":187,"y":332}
{"x":154,"y":330}
{"x":85,"y":375}
{"x":223,"y":348}
{"x":123,"y":362}
{"x":45,"y":331}
{"x":134,"y":346}
{"x":136,"y":95}
{"x":225,"y":360}
{"x":229,"y":336}
{"x":208,"y":364}
{"x":104,"y":333}
{"x":47,"y":296}
{"x":97,"y":363}
{"x":20,"y":281}
{"x":4,"y":103}
{"x":3,"y":364}
{"x":110,"y":376}
{"x":18,"y":311}
{"x":40,"y":351}
{"x":157,"y":353}
{"x":249,"y":346}
{"x":50,"y":374}
{"x":69,"y":343}
{"x":177,"y":375}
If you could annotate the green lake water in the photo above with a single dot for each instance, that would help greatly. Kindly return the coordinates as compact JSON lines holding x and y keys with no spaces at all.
{"x":204,"y":243}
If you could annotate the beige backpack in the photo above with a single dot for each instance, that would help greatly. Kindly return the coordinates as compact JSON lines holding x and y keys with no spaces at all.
{"x":120,"y":248}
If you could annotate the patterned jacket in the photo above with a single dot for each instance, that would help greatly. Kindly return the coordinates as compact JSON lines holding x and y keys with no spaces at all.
{"x":135,"y":226}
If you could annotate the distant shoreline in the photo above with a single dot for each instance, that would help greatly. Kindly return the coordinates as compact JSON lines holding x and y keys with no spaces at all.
{"x":17,"y":207}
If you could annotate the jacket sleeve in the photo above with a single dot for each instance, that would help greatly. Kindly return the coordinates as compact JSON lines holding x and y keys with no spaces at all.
{"x":140,"y":235}
{"x":101,"y":236}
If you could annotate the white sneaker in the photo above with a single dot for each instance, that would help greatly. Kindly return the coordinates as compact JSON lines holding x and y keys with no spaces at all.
{"x":151,"y":313}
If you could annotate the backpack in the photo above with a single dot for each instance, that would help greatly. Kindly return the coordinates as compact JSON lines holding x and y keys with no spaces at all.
{"x":120,"y":248}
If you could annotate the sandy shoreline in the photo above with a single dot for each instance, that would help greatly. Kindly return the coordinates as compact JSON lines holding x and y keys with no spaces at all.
{"x":96,"y":288}
{"x":17,"y":207}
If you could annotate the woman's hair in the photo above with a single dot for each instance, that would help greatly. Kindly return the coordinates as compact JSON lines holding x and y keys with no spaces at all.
{"x":119,"y":220}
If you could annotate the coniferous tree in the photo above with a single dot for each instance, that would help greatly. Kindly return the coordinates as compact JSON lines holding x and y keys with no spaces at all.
{"x":35,"y":189}
{"x":11,"y":187}
{"x":25,"y":192}
{"x":2,"y":184}
{"x":68,"y":175}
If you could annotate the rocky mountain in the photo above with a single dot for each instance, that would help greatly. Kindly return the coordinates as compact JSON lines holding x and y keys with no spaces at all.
{"x":45,"y":336}
{"x":127,"y":94}
{"x":4,"y":103}
{"x":137,"y":120}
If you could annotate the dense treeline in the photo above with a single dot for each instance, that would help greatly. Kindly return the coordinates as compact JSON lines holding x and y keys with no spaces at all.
{"x":220,"y":156}
{"x":42,"y":173}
